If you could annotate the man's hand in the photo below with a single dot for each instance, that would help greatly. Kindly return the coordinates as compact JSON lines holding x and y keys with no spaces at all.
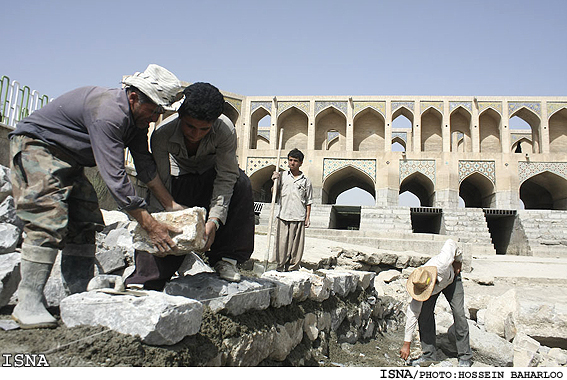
{"x":175,"y":207}
{"x":158,"y":232}
{"x":210,"y":233}
{"x":159,"y":235}
{"x":275,"y":175}
{"x":457,"y":266}
{"x":307,"y":223}
{"x":405,"y":350}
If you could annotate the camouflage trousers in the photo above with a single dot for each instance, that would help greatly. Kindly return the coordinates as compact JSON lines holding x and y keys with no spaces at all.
{"x":53,"y":196}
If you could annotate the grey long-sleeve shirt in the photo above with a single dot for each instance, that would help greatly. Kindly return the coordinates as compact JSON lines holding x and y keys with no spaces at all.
{"x":93,"y":126}
{"x":217,"y":149}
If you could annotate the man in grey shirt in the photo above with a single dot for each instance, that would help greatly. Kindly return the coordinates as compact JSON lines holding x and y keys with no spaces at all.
{"x":195,"y":152}
{"x":89,"y":126}
{"x":295,"y":194}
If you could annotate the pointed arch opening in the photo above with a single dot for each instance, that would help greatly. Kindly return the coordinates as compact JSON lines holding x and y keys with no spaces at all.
{"x":431,"y":131}
{"x":330,"y":119}
{"x":294,"y":123}
{"x":490,"y":131}
{"x":558,"y":132}
{"x":369,"y":131}
{"x":526,"y":119}
{"x":421,"y":186}
{"x":261,"y":181}
{"x":260,"y":122}
{"x":544,"y":191}
{"x":345,"y":179}
{"x":477,"y":191}
{"x":460,"y":122}
{"x":231,"y":112}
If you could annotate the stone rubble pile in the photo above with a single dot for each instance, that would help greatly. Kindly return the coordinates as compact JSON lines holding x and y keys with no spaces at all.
{"x":517,"y":328}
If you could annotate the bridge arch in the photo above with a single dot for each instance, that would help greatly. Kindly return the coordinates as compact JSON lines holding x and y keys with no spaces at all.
{"x":431,"y":130}
{"x":460,"y":122}
{"x":261,"y":181}
{"x":558,"y":131}
{"x":490,"y":131}
{"x":534,"y":122}
{"x":369,"y":130}
{"x":477,"y":190}
{"x":330,"y":119}
{"x":258,"y":141}
{"x":546,"y":190}
{"x":421,"y":186}
{"x":345,"y":179}
{"x":294,"y":123}
{"x":231,"y":112}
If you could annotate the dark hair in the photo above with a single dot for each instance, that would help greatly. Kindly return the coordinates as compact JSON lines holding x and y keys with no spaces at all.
{"x":296,"y":153}
{"x":142,"y":98}
{"x":203,"y":101}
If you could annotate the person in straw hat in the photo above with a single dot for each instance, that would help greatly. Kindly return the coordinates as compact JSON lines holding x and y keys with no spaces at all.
{"x":441,"y":274}
{"x":86,"y":127}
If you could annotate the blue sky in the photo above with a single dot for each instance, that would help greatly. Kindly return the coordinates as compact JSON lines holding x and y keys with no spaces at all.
{"x":496,"y":47}
{"x":292,"y":47}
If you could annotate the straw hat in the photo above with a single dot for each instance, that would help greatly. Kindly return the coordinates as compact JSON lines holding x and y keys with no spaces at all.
{"x":421,"y":283}
{"x":157,"y":83}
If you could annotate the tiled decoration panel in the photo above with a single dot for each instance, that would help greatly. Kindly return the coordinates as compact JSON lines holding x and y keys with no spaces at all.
{"x":236,"y":103}
{"x":253,"y":164}
{"x":486,"y":168}
{"x":378,"y":106}
{"x":426,"y":105}
{"x":465,"y":105}
{"x":255,"y":105}
{"x":283,"y":106}
{"x":526,"y":170}
{"x":342,"y":106}
{"x":553,"y":107}
{"x":331,"y":165}
{"x":534,"y":106}
{"x":425,"y":167}
{"x":408,"y":105}
{"x":496,"y":106}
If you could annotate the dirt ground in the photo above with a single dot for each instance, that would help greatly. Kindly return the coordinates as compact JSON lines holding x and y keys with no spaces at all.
{"x":100,"y":347}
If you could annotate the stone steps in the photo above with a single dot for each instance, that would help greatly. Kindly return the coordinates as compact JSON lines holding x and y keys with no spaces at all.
{"x":545,"y":231}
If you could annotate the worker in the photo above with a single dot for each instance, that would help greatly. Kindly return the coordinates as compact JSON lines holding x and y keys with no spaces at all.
{"x":86,"y":127}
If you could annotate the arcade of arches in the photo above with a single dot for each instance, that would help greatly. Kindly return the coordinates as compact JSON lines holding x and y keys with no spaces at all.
{"x":449,"y":149}
{"x":491,"y":171}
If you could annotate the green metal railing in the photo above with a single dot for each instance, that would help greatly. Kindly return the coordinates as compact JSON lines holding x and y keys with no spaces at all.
{"x":17,"y":102}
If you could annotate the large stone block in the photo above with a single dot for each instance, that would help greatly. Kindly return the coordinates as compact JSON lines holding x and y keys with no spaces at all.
{"x":9,"y":237}
{"x":9,"y":276}
{"x":343,"y":283}
{"x":157,"y":318}
{"x":282,"y":292}
{"x":191,"y":221}
{"x":234,"y":297}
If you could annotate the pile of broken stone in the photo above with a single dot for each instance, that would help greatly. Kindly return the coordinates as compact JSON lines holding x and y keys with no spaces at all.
{"x":501,"y":328}
{"x":167,"y":317}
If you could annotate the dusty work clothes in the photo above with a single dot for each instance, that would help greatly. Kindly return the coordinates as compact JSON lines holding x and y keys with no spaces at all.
{"x":216,"y":150}
{"x":54,"y":198}
{"x":211,"y":179}
{"x":290,"y":241}
{"x":92,"y":126}
{"x":235,"y":239}
{"x":422,"y":313}
{"x":295,"y":194}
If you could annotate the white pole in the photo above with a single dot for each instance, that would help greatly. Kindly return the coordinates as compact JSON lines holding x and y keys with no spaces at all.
{"x":274,"y":193}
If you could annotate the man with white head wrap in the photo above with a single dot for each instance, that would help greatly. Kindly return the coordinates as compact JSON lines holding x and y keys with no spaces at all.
{"x":88,"y":126}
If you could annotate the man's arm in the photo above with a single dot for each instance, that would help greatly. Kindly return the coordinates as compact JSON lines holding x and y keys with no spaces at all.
{"x":412,"y":315}
{"x":157,"y":188}
{"x":158,"y":232}
{"x":307,"y":215}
